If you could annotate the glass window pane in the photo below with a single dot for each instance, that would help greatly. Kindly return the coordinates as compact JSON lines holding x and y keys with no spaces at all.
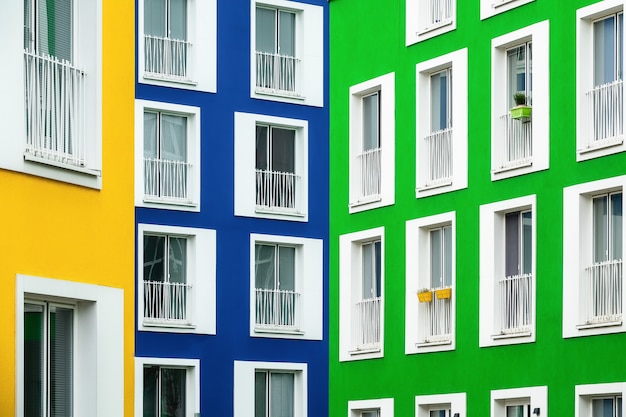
{"x":173,"y":137}
{"x":54,"y":28}
{"x":527,"y":243}
{"x":369,"y":413}
{"x":447,"y":256}
{"x":33,"y":360}
{"x":515,"y":410}
{"x":153,"y":258}
{"x":616,"y":226}
{"x":177,"y":259}
{"x":378,"y":268}
{"x":154,"y":17}
{"x":150,"y":388}
{"x":260,"y":394}
{"x":61,"y":334}
{"x":604,"y":50}
{"x":516,"y":66}
{"x":602,"y":407}
{"x":600,"y":229}
{"x":150,"y":138}
{"x":287,"y":33}
{"x":287,"y":268}
{"x":283,"y":150}
{"x":620,"y":52}
{"x":436,"y":255}
{"x":264,"y":263}
{"x":173,"y":392}
{"x":437,"y":413}
{"x":512,"y":244}
{"x":281,"y":394}
{"x":368,"y":272}
{"x":178,"y":19}
{"x":261,"y":147}
{"x":439,"y":101}
{"x":371,"y":118}
{"x":265,"y":30}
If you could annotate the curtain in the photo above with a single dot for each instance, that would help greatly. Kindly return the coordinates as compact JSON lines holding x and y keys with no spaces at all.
{"x":177,"y":259}
{"x":265,"y":30}
{"x":150,"y":147}
{"x":33,"y":360}
{"x":281,"y":394}
{"x":61,"y":332}
{"x":371,"y":119}
{"x":287,"y":268}
{"x":154,"y":258}
{"x":604,"y":48}
{"x":173,"y":392}
{"x":264,"y":266}
{"x":154,"y":23}
{"x":178,"y":19}
{"x":173,"y":137}
{"x":283,"y":150}
{"x":287,"y":33}
{"x":54,"y":27}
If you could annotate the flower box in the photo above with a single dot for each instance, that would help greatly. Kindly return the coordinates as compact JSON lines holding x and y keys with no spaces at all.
{"x":522,"y":112}
{"x":425,"y":296}
{"x":443,"y":293}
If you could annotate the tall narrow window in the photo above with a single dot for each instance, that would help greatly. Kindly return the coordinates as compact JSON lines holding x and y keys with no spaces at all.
{"x":606,"y":407}
{"x":368,"y":308}
{"x":274,"y":394}
{"x":370,"y":154}
{"x":164,"y":391}
{"x":439,"y":140}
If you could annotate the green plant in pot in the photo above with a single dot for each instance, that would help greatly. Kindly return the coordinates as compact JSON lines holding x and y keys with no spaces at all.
{"x":521,"y":111}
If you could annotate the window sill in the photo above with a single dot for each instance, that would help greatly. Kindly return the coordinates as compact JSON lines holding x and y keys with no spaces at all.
{"x":510,"y":335}
{"x":279,"y":93}
{"x":599,"y":325}
{"x":164,"y":201}
{"x":434,"y":343}
{"x":434,"y":185}
{"x":602,"y":144}
{"x":367,"y":200}
{"x":156,"y":323}
{"x":364,"y":351}
{"x":279,"y":211}
{"x":277,"y":330}
{"x":434,"y":27}
{"x":523,"y":163}
{"x":502,"y":3}
{"x":69,"y":167}
{"x":169,"y":79}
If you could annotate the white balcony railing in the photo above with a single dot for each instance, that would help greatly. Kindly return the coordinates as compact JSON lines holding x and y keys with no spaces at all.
{"x":276,"y":189}
{"x":438,"y":319}
{"x":605,"y":109}
{"x":166,"y":180}
{"x":277,"y":73}
{"x":277,"y":309}
{"x":602,"y":292}
{"x":517,"y":141}
{"x":439,"y":164}
{"x":438,"y":11}
{"x":369,"y":163}
{"x":368,"y":324}
{"x":515,"y":302}
{"x":54,"y":99}
{"x":167,"y":58}
{"x":166,"y":302}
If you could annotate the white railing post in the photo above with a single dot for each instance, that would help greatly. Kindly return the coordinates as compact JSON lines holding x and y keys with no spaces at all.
{"x":166,"y":180}
{"x":368,"y":326}
{"x":166,"y":57}
{"x":517,"y":144}
{"x":277,"y":309}
{"x":276,"y":189}
{"x":277,"y":73}
{"x":515,"y":300}
{"x":603,"y":292}
{"x":605,"y":112}
{"x":438,"y":317}
{"x":439,"y":164}
{"x":166,"y":302}
{"x":369,"y":162}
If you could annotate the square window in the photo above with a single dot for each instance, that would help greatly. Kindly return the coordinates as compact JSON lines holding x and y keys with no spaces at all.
{"x":429,"y":18}
{"x":520,"y":102}
{"x":440,"y":405}
{"x":519,"y":402}
{"x":441,"y":124}
{"x":361,"y":295}
{"x":176,"y":288}
{"x":507,"y":271}
{"x":284,"y":54}
{"x":372,"y":143}
{"x":599,"y":400}
{"x":175,"y":49}
{"x":371,"y":408}
{"x":489,"y":8}
{"x":271,"y":167}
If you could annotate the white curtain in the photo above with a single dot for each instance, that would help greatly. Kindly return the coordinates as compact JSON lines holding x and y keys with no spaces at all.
{"x":281,"y":394}
{"x":370,"y":122}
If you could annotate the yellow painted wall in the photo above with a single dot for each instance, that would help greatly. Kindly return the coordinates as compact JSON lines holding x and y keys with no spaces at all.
{"x":56,"y":230}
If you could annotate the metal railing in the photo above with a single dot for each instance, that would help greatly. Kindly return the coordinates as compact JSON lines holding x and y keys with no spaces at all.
{"x":54,"y":100}
{"x":515,"y":300}
{"x":517,"y":144}
{"x":277,"y":309}
{"x":602,"y":292}
{"x":438,"y":319}
{"x":605,"y":109}
{"x":277,"y":73}
{"x":166,"y":180}
{"x":276,"y":189}
{"x":166,"y":57}
{"x":439,"y":164}
{"x":166,"y":302}
{"x":369,"y":163}
{"x":368,"y":323}
{"x":438,"y":11}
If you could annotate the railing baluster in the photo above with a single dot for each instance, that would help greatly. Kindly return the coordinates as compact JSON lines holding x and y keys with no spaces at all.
{"x":368,"y":329}
{"x":277,"y":73}
{"x":369,"y":162}
{"x":166,"y":302}
{"x":604,"y":108}
{"x":603,"y":292}
{"x":276,"y":189}
{"x":277,"y":308}
{"x":166,"y":57}
{"x":515,"y":295}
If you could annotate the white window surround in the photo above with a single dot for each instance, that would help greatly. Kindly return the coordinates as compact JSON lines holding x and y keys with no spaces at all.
{"x":245,"y":177}
{"x":192,"y":386}
{"x":489,"y":8}
{"x":492,"y":241}
{"x":456,"y":403}
{"x":99,"y":319}
{"x":457,"y":61}
{"x":202,"y":34}
{"x":418,"y":30}
{"x":536,"y":397}
{"x":193,"y":155}
{"x":539,"y":35}
{"x":577,"y":253}
{"x":88,"y":57}
{"x":418,"y":276}
{"x":385,"y":85}
{"x":201,"y":259}
{"x":350,"y":283}
{"x":383,"y":405}
{"x":309,"y":283}
{"x":309,"y":49}
{"x":244,"y":385}
{"x":584,"y":79}
{"x":585,"y":393}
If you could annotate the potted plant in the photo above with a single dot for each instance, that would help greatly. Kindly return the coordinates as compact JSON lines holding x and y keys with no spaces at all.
{"x":443,"y":293}
{"x":425,"y":295}
{"x":521,"y":111}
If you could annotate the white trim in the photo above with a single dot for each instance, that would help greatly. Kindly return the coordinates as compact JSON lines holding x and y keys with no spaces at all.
{"x":416,"y":30}
{"x":383,"y":405}
{"x":535,"y":397}
{"x":489,"y":8}
{"x":457,"y":404}
{"x":585,"y":393}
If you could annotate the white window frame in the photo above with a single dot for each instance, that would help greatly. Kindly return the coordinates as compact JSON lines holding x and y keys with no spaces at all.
{"x":456,"y":403}
{"x":202,"y":34}
{"x":577,"y":254}
{"x":244,"y":385}
{"x":87,"y":21}
{"x":492,"y":242}
{"x":308,"y":282}
{"x":418,"y":277}
{"x":535,"y":397}
{"x":309,"y":49}
{"x":245,"y":177}
{"x":489,"y":8}
{"x":538,"y":34}
{"x":457,"y":61}
{"x":192,"y":381}
{"x":193,"y":155}
{"x":585,"y":17}
{"x":350,"y":286}
{"x":383,"y":405}
{"x":201,"y":259}
{"x":585,"y":393}
{"x":416,"y":28}
{"x":99,"y":315}
{"x":385,"y":85}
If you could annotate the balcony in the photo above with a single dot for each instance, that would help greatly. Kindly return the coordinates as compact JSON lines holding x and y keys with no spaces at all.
{"x":605,"y":112}
{"x":55,"y":100}
{"x":515,"y":298}
{"x":165,"y":302}
{"x":602,"y":293}
{"x":516,"y":148}
{"x":166,"y":180}
{"x":276,"y":190}
{"x":438,"y":320}
{"x":369,"y":163}
{"x":368,"y":324}
{"x":276,"y":74}
{"x":166,"y":58}
{"x":277,"y":309}
{"x":439,"y":163}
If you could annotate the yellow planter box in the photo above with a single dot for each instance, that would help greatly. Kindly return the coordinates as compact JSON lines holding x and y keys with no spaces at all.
{"x":443,"y":293}
{"x":425,"y":297}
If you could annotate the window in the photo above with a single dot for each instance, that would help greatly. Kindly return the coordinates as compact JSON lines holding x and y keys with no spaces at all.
{"x":286,"y":281}
{"x":167,"y":156}
{"x":600,"y":87}
{"x":176,"y":289}
{"x":287,"y":60}
{"x":175,"y":49}
{"x":361,"y":295}
{"x":520,"y":102}
{"x":271,"y":167}
{"x":167,"y":387}
{"x":371,"y":408}
{"x":489,"y":8}
{"x":60,"y":370}
{"x":372,"y":145}
{"x":441,"y":124}
{"x":428,"y":18}
{"x":592,"y":258}
{"x":270,"y":389}
{"x":440,"y":405}
{"x":507,"y":271}
{"x":519,"y":402}
{"x":599,"y":400}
